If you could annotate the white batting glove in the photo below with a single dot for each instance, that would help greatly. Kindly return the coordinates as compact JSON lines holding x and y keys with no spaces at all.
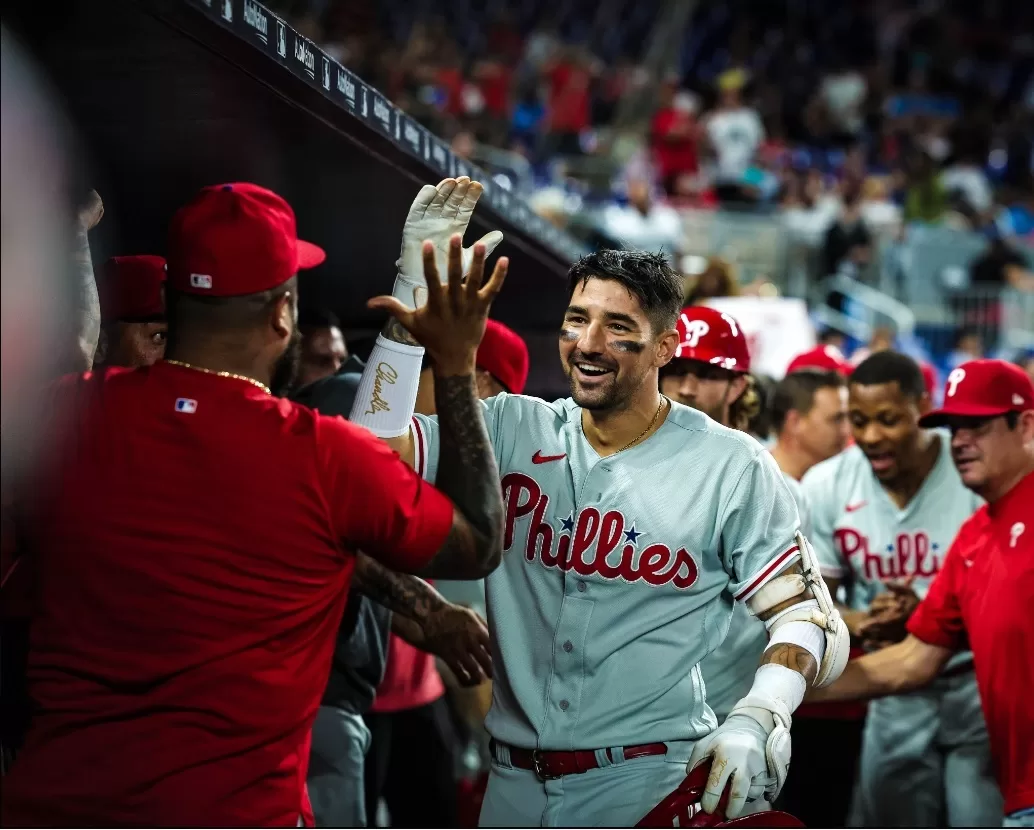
{"x":738,"y":752}
{"x":436,"y":215}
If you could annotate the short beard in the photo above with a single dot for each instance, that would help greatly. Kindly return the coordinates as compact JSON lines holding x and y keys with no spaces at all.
{"x":285,"y":372}
{"x":614,"y":398}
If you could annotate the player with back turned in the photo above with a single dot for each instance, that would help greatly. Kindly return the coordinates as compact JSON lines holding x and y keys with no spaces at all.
{"x":883,"y":514}
{"x":627,"y":517}
{"x":195,"y":540}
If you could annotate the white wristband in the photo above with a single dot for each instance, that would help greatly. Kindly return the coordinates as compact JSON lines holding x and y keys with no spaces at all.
{"x":802,"y":634}
{"x":387,"y":391}
{"x":777,"y":691}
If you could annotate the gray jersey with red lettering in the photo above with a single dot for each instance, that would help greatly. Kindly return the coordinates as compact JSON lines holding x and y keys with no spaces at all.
{"x":618,"y":573}
{"x":861,"y":536}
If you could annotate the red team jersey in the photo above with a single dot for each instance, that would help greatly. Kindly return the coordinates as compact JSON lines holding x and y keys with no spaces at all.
{"x":984,"y":595}
{"x":192,"y":556}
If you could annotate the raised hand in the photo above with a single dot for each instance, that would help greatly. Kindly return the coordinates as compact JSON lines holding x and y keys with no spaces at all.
{"x":437,"y":214}
{"x":452,"y":322}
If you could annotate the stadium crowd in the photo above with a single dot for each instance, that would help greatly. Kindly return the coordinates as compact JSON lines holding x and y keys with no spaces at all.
{"x":851,"y":132}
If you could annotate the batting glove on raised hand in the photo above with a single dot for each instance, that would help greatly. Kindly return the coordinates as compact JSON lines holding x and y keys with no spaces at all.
{"x":435,"y":215}
{"x":737,"y":748}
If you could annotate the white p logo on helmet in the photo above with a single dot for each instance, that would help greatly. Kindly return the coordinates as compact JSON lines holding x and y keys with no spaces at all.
{"x":695,"y":329}
{"x":954,"y":379}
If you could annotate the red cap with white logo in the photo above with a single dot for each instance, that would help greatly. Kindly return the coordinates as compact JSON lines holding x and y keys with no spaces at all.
{"x":983,"y":389}
{"x":236,"y":239}
{"x":712,"y":336}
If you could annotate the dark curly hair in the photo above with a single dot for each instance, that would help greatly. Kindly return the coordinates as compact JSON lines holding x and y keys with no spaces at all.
{"x":648,"y":277}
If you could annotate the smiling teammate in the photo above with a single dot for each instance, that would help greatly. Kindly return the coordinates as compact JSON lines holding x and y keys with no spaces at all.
{"x":627,"y":517}
{"x":883,"y":514}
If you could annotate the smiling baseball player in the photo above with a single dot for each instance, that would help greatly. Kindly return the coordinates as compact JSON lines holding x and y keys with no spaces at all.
{"x":627,"y":517}
{"x":884,"y":513}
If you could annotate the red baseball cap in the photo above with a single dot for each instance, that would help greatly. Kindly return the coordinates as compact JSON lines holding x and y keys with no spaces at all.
{"x":983,"y":389}
{"x":826,"y":358}
{"x":712,"y":336}
{"x":130,"y":288}
{"x":504,"y":355}
{"x":236,"y":239}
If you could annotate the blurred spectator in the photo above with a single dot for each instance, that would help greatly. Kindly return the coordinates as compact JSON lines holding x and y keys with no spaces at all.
{"x":568,"y":106}
{"x":926,"y":199}
{"x":718,"y":279}
{"x":734,"y":133}
{"x":323,"y":347}
{"x":966,"y":177}
{"x":643,"y":223}
{"x":842,"y":93}
{"x":674,"y":136}
{"x":1001,"y":265}
{"x":848,"y":241}
{"x":968,"y":346}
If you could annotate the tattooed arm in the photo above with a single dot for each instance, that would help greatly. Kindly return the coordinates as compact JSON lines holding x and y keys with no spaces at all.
{"x":468,"y":475}
{"x":423,"y":618}
{"x":88,"y":306}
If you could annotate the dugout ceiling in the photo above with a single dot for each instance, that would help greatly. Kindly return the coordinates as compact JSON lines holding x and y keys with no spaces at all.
{"x":171,"y":95}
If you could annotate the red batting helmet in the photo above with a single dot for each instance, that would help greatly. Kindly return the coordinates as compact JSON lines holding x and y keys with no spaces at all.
{"x":712,"y":336}
{"x":682,"y":809}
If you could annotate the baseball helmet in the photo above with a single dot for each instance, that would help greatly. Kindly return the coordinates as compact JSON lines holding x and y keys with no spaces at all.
{"x":712,"y":336}
{"x":682,"y":808}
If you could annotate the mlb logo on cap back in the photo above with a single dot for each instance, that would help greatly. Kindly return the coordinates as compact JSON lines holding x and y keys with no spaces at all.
{"x":186,"y":405}
{"x":236,"y":239}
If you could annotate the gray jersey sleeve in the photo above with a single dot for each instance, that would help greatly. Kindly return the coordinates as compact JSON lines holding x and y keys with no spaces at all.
{"x":819,"y":490}
{"x":759,"y":524}
{"x":794,"y":486}
{"x":426,"y":435}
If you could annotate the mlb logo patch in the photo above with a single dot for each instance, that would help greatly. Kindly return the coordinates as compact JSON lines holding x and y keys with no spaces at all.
{"x":186,"y":405}
{"x":200,"y":281}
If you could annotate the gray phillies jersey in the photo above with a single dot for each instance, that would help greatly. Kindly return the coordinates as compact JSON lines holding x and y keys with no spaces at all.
{"x":728,"y":671}
{"x":613,"y":582}
{"x":863,"y":537}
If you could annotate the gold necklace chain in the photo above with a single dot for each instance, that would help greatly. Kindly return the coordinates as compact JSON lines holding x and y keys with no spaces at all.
{"x":649,"y":426}
{"x":252,"y":381}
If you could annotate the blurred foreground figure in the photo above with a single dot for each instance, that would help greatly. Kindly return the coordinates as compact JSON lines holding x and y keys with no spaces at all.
{"x":37,"y":295}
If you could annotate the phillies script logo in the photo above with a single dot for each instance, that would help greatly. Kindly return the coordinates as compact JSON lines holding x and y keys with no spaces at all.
{"x":911,"y":555}
{"x":386,"y":374}
{"x":586,"y":540}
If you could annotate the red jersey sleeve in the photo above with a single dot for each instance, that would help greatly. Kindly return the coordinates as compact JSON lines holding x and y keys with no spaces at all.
{"x":377,"y":503}
{"x":938,"y":618}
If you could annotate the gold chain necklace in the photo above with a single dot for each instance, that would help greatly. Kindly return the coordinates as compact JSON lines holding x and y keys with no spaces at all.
{"x":649,"y":426}
{"x":252,"y":381}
